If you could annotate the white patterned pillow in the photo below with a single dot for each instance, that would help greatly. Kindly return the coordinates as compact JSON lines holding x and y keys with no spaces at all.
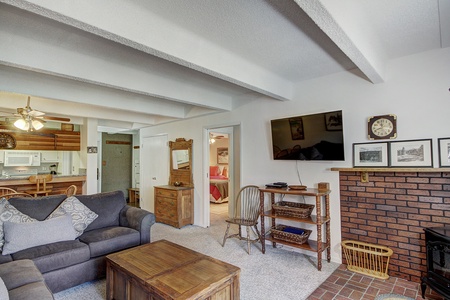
{"x":81,"y":215}
{"x":10,"y":213}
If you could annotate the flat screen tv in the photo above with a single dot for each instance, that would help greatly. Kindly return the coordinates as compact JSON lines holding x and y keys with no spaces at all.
{"x":309,"y":137}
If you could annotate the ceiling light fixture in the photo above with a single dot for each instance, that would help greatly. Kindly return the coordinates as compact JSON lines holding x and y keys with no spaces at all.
{"x":28,"y":124}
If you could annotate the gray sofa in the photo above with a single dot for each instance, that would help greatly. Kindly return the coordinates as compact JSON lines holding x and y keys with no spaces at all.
{"x":65,"y":264}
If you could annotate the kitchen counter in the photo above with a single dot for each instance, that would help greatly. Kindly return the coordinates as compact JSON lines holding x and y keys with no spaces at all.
{"x":58,"y":185}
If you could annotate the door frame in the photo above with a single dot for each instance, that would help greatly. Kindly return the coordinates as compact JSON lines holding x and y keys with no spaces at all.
{"x":233,"y":130}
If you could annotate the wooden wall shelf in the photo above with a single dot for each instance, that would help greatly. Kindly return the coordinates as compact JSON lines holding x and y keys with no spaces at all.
{"x":364,"y":172}
{"x":407,"y":170}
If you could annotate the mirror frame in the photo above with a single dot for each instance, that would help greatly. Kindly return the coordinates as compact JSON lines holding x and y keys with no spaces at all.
{"x":183,"y":176}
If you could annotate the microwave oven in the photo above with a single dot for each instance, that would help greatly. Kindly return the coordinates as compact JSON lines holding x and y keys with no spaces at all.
{"x":22,"y":159}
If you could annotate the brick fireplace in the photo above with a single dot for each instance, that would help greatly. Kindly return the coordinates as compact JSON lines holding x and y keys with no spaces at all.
{"x":392,"y":209}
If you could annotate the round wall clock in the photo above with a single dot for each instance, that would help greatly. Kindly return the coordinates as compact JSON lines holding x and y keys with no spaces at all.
{"x":382,"y":127}
{"x":7,"y":141}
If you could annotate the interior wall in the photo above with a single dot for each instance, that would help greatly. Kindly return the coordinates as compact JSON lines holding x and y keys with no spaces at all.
{"x":416,"y":90}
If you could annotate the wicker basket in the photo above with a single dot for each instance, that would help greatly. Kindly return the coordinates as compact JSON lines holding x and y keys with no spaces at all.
{"x":293,"y":209}
{"x":367,"y":259}
{"x":279,"y":232}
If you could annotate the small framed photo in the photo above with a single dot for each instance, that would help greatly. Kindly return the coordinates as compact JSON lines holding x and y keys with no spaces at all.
{"x":371,"y":154}
{"x":413,"y":153}
{"x":444,"y":152}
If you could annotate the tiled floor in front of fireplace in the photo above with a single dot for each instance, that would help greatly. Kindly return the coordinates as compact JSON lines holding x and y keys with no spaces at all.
{"x":347,"y":285}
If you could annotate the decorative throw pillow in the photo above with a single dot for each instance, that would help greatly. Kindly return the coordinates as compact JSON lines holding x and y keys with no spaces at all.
{"x":81,"y":215}
{"x":3,"y":290}
{"x":11,"y":214}
{"x":20,"y":236}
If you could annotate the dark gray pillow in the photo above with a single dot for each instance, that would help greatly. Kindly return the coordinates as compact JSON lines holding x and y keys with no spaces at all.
{"x":106,"y":205}
{"x":38,"y":208}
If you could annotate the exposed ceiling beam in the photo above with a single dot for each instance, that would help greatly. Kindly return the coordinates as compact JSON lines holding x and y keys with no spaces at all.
{"x":337,"y":24}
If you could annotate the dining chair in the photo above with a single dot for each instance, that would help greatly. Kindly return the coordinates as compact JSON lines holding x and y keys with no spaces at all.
{"x":6,"y":190}
{"x":246,"y":213}
{"x":16,"y":195}
{"x":41,"y":184}
{"x":71,"y":190}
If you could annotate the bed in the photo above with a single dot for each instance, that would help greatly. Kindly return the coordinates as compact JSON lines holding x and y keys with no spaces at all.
{"x":218,"y":184}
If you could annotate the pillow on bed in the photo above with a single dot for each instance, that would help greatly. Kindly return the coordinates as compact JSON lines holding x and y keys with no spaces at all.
{"x":225,"y":172}
{"x":214,"y":171}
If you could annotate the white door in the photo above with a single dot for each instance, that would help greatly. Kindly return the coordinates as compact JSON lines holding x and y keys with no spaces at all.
{"x":154,"y":163}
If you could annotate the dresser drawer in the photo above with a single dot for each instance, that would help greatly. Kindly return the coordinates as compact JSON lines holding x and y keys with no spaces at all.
{"x":166,"y":193}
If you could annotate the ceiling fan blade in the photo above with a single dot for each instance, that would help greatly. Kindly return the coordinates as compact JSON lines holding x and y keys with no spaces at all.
{"x":36,"y":113}
{"x":50,"y":118}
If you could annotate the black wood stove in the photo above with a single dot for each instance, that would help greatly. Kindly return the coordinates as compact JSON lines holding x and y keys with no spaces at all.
{"x":438,"y":261}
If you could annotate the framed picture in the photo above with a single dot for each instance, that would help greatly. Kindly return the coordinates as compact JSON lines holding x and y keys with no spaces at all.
{"x":333,"y":121}
{"x":444,"y":152}
{"x":413,"y":153}
{"x":222,"y":155}
{"x":371,"y":154}
{"x":297,"y":128}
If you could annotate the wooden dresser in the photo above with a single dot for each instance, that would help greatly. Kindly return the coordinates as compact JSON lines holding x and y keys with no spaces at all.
{"x":174,"y":205}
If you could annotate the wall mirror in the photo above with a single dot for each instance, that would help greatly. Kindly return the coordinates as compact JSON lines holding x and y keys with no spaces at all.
{"x":181,"y":162}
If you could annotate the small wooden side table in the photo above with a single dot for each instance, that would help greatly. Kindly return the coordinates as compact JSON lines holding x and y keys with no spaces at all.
{"x":133,"y":196}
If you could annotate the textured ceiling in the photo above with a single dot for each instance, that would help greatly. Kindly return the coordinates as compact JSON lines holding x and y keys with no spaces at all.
{"x":135,"y":63}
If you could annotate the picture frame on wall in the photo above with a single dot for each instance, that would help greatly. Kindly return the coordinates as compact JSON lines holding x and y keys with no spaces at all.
{"x":444,"y":152}
{"x":411,"y":153}
{"x":297,"y":132}
{"x":371,"y":154}
{"x":222,"y":156}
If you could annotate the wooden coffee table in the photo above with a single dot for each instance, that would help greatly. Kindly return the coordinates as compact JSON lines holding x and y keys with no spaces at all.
{"x":165,"y":270}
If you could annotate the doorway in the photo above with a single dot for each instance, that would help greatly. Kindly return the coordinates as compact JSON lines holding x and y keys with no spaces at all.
{"x":116,"y":162}
{"x":222,"y":162}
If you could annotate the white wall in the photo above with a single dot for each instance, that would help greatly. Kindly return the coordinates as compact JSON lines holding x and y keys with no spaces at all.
{"x":416,"y":90}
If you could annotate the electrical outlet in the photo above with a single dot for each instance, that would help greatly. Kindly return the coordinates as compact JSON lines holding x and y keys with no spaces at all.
{"x":44,"y":168}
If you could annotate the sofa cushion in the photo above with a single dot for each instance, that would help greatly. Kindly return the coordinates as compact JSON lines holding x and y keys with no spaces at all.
{"x":3,"y":290}
{"x":54,"y":256}
{"x":19,"y":273}
{"x":82,"y":216}
{"x":38,"y":208}
{"x":32,"y":291}
{"x":9,"y":213}
{"x":106,"y":205}
{"x":107,"y":240}
{"x":20,"y":236}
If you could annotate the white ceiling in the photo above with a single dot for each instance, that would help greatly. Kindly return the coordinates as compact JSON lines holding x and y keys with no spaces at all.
{"x":136,"y":63}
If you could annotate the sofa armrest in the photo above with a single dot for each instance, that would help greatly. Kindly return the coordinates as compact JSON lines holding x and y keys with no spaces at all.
{"x":138,"y":219}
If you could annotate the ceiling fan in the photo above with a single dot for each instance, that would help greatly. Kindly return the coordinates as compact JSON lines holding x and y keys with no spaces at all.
{"x":213,"y":137}
{"x":30,"y":119}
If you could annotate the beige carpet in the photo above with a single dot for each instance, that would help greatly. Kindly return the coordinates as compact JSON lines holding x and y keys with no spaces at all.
{"x":278,"y":274}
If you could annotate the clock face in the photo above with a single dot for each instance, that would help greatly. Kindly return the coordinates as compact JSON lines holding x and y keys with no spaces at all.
{"x":382,"y":127}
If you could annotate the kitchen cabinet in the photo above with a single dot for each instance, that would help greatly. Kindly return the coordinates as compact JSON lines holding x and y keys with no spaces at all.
{"x":50,"y":156}
{"x":2,"y":156}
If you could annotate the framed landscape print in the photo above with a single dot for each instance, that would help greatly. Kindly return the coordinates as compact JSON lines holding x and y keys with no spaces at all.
{"x":413,"y":153}
{"x":371,"y":154}
{"x":222,"y":156}
{"x":444,"y":152}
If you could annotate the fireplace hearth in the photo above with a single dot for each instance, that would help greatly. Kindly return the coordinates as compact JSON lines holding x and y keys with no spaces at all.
{"x":437,"y":241}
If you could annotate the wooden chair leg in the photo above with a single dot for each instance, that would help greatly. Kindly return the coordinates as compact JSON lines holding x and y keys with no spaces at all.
{"x":226,"y":234}
{"x":248,"y":239}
